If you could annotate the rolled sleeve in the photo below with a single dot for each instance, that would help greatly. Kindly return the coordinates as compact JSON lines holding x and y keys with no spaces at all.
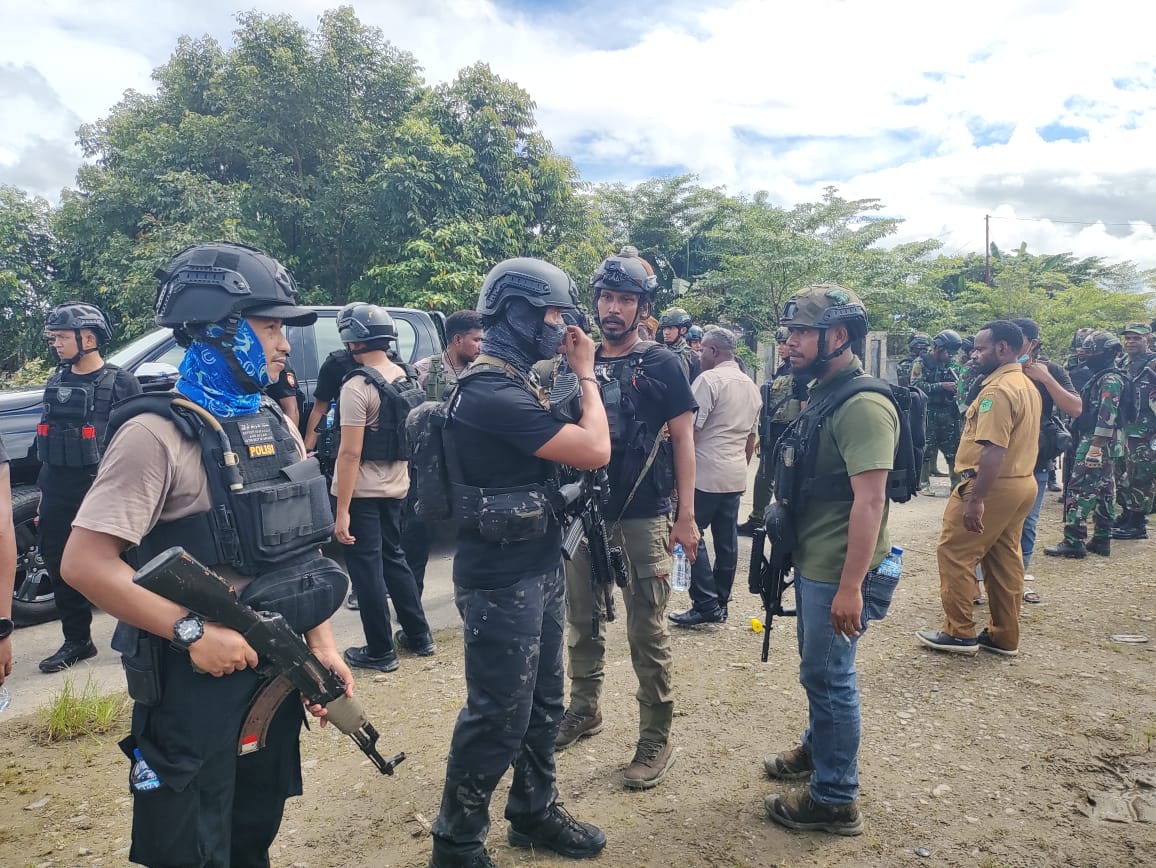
{"x":994,"y":418}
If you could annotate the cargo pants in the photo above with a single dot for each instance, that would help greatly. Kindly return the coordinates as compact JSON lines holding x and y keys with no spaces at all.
{"x":644,"y":544}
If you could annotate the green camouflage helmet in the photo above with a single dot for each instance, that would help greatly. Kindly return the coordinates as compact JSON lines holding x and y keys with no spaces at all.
{"x":823,"y":305}
{"x":919,"y":341}
{"x":675,"y":316}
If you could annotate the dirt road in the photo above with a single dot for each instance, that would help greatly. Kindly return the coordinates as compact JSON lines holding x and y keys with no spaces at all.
{"x":981,"y":761}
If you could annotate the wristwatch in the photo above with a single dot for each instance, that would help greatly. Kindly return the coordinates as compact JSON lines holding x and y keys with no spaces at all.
{"x":187,"y":631}
{"x":6,"y":627}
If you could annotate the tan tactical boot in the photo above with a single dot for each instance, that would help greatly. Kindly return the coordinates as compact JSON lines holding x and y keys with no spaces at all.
{"x":797,"y":810}
{"x":651,"y":762}
{"x":791,"y":765}
{"x":576,"y":726}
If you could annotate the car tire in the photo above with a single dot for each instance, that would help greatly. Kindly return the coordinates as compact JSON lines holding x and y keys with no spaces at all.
{"x":32,"y":601}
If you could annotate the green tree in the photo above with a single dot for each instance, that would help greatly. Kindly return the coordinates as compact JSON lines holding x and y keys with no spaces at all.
{"x":27,"y":250}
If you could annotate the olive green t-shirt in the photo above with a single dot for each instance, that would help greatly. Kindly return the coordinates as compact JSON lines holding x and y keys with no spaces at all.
{"x":861,"y":435}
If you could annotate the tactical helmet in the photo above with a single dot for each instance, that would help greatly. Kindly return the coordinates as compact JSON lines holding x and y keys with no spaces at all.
{"x":76,"y":315}
{"x":823,"y":305}
{"x":969,"y":344}
{"x":676,"y":317}
{"x":209,"y":283}
{"x":1078,"y":338}
{"x":949,"y":340}
{"x":366,"y":324}
{"x":781,"y":334}
{"x":694,"y":333}
{"x":919,"y":341}
{"x":623,"y":274}
{"x":1100,"y":342}
{"x":538,"y":282}
{"x":1136,"y":328}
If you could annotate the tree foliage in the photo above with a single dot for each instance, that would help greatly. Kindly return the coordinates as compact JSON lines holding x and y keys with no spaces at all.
{"x":27,"y":252}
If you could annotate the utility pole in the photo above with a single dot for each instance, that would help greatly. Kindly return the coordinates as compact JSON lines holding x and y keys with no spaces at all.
{"x":987,"y":249}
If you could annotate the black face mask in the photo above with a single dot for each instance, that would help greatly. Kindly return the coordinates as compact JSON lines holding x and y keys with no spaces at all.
{"x":519,"y":335}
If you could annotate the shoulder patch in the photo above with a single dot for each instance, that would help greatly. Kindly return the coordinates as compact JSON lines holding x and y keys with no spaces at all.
{"x":291,"y":379}
{"x":985,"y":405}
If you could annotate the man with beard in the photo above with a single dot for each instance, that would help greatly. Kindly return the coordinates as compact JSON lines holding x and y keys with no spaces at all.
{"x":1092,"y":489}
{"x":507,"y":569}
{"x":841,"y":541}
{"x":985,"y":514}
{"x":647,"y":396}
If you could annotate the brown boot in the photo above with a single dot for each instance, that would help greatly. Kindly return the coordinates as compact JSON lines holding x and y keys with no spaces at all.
{"x":576,"y":726}
{"x":651,"y":762}
{"x":791,"y":765}
{"x":797,"y":810}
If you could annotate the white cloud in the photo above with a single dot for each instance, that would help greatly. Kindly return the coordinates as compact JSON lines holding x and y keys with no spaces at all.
{"x":931,"y":107}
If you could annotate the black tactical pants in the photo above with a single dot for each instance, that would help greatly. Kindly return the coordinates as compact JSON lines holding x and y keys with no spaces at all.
{"x":56,"y":515}
{"x":514,"y":684}
{"x":415,"y":542}
{"x":375,"y":563}
{"x":710,"y":587}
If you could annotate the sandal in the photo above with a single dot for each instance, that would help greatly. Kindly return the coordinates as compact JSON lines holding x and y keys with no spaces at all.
{"x":979,"y":601}
{"x":1031,"y":596}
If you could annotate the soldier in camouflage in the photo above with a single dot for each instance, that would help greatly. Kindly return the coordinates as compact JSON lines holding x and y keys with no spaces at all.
{"x":1137,"y":484}
{"x":969,"y":377}
{"x":463,"y":344}
{"x":937,"y":375}
{"x":783,"y":397}
{"x":1091,"y":490}
{"x":917,"y":345}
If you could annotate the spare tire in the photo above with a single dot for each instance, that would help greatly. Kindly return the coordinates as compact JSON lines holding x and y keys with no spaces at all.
{"x":32,"y":598}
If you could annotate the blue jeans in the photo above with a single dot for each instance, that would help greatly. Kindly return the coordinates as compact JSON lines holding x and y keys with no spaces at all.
{"x":827,"y":673}
{"x":1028,"y":536}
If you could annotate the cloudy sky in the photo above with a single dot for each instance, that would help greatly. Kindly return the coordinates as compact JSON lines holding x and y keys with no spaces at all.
{"x":944,"y":110}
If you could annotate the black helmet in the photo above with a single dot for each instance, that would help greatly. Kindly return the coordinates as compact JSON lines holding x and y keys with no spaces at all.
{"x":919,"y":341}
{"x":675,"y":316}
{"x":76,"y":315}
{"x":623,"y":274}
{"x":823,"y":305}
{"x":366,"y":323}
{"x":1100,"y":342}
{"x":538,"y":282}
{"x":949,"y":340}
{"x":694,"y":333}
{"x":969,"y":343}
{"x":209,"y":283}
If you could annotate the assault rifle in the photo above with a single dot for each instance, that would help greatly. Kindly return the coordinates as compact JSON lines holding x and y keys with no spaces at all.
{"x":326,"y":449}
{"x":770,"y":576}
{"x":283,"y":654}
{"x":585,"y":496}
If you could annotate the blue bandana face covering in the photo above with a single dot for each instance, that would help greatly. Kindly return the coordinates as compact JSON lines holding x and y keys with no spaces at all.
{"x":207,"y":380}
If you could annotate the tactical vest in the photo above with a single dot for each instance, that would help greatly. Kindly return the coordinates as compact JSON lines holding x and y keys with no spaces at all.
{"x":1085,"y":423}
{"x":439,"y":379}
{"x":268,"y":506}
{"x":387,"y":441}
{"x":780,"y":405}
{"x":500,"y":515}
{"x":74,"y":424}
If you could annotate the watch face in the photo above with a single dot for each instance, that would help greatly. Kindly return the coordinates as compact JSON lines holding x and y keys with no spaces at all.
{"x":189,"y":630}
{"x":6,"y":627}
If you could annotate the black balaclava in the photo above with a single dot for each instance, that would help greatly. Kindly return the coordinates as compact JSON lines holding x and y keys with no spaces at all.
{"x":519,"y":334}
{"x":1099,"y":361}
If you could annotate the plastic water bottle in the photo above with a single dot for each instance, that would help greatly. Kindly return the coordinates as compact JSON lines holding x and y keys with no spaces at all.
{"x":680,"y":570}
{"x":892,"y":565}
{"x":5,"y":698}
{"x":143,"y":777}
{"x":329,"y":417}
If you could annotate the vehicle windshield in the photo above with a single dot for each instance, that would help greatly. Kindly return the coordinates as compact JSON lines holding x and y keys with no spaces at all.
{"x":126,"y":354}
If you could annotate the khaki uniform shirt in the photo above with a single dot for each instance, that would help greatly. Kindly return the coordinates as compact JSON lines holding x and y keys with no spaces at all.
{"x":1006,"y":413}
{"x":728,"y":412}
{"x":360,"y":404}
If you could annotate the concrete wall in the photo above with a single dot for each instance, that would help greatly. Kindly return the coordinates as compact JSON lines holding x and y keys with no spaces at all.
{"x":876,"y":362}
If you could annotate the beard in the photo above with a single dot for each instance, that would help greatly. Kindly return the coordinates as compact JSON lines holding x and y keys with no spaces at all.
{"x":615,"y":329}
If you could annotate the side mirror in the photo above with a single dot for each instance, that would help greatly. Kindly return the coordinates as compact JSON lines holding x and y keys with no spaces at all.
{"x":157,"y":376}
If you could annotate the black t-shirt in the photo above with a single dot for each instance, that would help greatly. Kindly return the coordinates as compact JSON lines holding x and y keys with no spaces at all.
{"x":670,"y":397}
{"x":1062,"y":377}
{"x":332,"y":373}
{"x":497,"y":426}
{"x":71,"y":483}
{"x":286,"y":386}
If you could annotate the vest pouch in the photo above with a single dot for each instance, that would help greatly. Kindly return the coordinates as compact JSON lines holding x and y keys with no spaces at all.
{"x":513,"y":516}
{"x":612,"y":401}
{"x":69,"y":403}
{"x":277,"y":520}
{"x":429,"y":478}
{"x":67,"y":445}
{"x":305,"y":593}
{"x":662,"y":471}
{"x":141,"y":656}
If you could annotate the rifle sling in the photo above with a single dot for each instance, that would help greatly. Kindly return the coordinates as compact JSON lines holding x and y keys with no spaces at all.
{"x":641,"y":476}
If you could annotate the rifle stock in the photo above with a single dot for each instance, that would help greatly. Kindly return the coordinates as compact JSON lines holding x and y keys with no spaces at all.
{"x":177,"y":576}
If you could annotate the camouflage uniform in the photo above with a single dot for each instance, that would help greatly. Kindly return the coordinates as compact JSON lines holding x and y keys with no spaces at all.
{"x":784,"y":396}
{"x":918,"y":344}
{"x":944,"y":423}
{"x":1137,"y":482}
{"x":1092,"y":490}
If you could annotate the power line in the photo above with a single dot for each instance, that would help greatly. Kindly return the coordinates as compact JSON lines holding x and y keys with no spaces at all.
{"x":1072,"y":222}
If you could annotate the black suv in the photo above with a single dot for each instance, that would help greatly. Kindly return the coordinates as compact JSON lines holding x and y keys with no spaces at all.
{"x":419,"y":335}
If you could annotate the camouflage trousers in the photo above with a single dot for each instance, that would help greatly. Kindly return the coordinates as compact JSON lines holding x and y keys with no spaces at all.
{"x":514,"y":684}
{"x":1091,"y":492}
{"x":943,"y":432}
{"x":1137,"y":483}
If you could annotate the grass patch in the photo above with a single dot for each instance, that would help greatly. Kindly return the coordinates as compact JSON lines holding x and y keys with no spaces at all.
{"x":70,"y":714}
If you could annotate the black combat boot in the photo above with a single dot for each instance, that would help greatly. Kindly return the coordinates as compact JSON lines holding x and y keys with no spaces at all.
{"x":1132,"y":525}
{"x":561,"y":832}
{"x":1100,"y":546}
{"x":69,"y":654}
{"x":1067,"y":549}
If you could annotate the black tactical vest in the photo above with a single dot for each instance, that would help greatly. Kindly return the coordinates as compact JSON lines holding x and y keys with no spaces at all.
{"x":74,"y":421}
{"x":387,"y":442}
{"x":269,"y":507}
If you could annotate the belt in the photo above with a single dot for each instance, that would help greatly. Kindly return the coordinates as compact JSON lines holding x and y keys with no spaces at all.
{"x":968,"y":474}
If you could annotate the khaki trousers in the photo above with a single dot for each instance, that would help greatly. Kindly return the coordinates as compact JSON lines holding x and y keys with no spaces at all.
{"x":643,"y":542}
{"x":997,"y":549}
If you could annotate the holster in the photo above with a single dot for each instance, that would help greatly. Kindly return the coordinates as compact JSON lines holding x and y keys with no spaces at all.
{"x":142,"y":656}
